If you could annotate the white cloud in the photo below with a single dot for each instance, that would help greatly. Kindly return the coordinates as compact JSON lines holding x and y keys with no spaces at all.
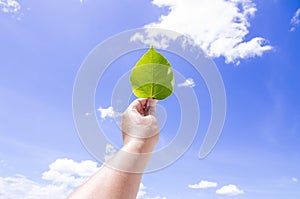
{"x":154,"y":38}
{"x":108,"y":112}
{"x":110,"y":151}
{"x":142,"y":191}
{"x":10,"y":6}
{"x":295,"y":21}
{"x":229,"y":190}
{"x":219,"y":27}
{"x":63,"y":176}
{"x":142,"y":194}
{"x":64,"y":171}
{"x":21,"y":187}
{"x":203,"y":184}
{"x":295,"y":179}
{"x":187,"y":83}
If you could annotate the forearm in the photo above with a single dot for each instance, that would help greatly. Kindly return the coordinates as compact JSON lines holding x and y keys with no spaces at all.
{"x":118,"y":178}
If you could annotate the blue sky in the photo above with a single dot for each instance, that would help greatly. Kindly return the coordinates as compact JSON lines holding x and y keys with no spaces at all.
{"x":43,"y":44}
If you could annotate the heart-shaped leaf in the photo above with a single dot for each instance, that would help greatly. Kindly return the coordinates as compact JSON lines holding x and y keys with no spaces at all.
{"x":152,"y":76}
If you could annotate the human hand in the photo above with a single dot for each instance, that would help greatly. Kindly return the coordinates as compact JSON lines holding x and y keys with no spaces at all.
{"x":120,"y":176}
{"x":139,"y":125}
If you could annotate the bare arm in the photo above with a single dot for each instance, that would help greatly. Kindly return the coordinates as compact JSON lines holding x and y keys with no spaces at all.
{"x":120,"y":177}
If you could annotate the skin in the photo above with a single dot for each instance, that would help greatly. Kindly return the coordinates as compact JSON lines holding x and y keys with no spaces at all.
{"x":120,"y":177}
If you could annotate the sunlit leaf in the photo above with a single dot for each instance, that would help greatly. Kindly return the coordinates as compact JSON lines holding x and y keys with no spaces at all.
{"x":152,"y":76}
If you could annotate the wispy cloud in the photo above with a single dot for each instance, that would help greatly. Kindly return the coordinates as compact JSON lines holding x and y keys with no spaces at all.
{"x":294,"y":179}
{"x":10,"y":6}
{"x":108,"y":112}
{"x":187,"y":83}
{"x":203,"y":184}
{"x":229,"y":190}
{"x":219,"y":27}
{"x":295,"y":21}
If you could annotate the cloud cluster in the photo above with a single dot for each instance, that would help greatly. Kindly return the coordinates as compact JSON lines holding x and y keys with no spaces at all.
{"x":225,"y":190}
{"x":63,"y":176}
{"x":70,"y":173}
{"x":10,"y":6}
{"x":21,"y":187}
{"x":219,"y":27}
{"x":295,"y":21}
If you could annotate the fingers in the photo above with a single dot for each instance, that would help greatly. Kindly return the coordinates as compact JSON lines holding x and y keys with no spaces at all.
{"x":144,"y":106}
{"x":138,"y":105}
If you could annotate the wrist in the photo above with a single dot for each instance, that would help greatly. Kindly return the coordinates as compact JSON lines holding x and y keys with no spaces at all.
{"x":140,"y":146}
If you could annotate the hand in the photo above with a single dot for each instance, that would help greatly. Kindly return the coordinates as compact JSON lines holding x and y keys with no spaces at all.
{"x":139,"y":126}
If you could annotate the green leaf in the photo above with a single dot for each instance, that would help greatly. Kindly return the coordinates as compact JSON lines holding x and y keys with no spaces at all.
{"x":152,"y":76}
